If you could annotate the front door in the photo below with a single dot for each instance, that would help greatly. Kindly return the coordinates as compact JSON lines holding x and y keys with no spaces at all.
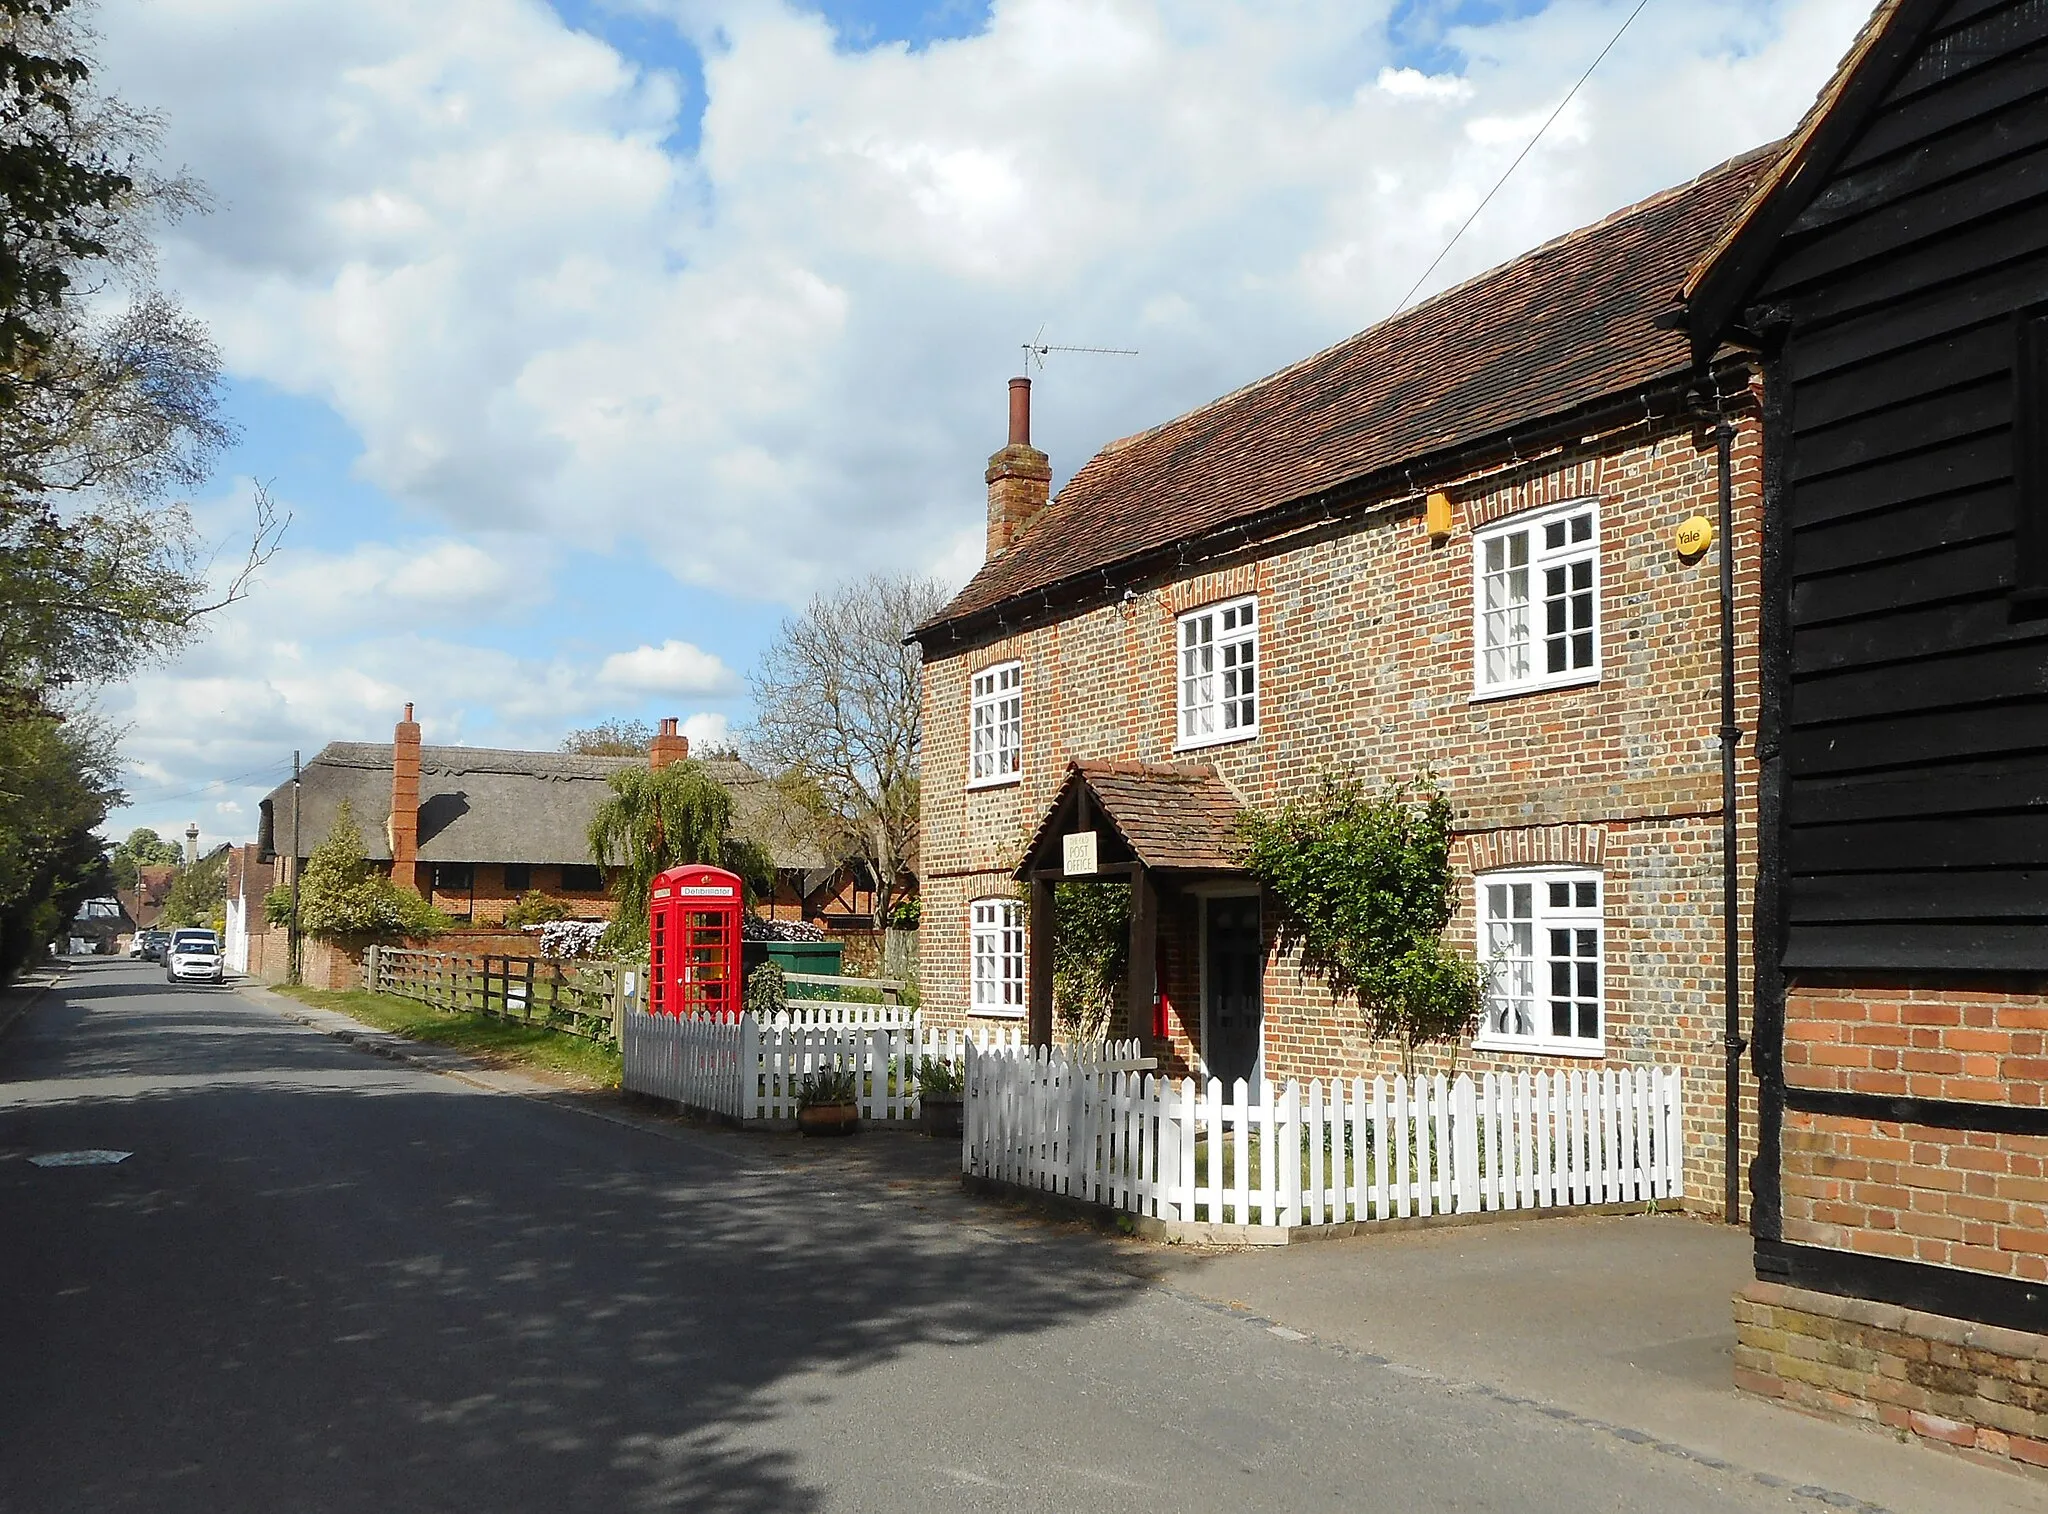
{"x":1233,"y":965}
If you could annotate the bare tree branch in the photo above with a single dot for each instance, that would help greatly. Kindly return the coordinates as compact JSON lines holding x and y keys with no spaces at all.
{"x":838,"y":705}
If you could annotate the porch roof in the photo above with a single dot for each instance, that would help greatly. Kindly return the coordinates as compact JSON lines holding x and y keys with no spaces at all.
{"x":1176,"y":817}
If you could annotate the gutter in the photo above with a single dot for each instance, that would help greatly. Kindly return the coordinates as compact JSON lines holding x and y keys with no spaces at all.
{"x":1388,"y":488}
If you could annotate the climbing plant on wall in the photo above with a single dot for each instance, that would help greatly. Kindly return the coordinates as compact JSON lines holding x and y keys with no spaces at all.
{"x":1362,"y":886}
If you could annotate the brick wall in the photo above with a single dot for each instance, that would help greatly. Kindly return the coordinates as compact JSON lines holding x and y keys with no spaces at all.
{"x":1948,"y":1381}
{"x":1366,"y":662}
{"x":1975,"y":1047}
{"x":1956,"y":1198}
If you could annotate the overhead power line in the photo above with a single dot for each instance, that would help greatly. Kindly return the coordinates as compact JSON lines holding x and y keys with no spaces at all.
{"x":1526,"y":150}
{"x":215,"y":785}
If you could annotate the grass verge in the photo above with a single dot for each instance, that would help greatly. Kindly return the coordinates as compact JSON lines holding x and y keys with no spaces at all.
{"x":499,"y":1040}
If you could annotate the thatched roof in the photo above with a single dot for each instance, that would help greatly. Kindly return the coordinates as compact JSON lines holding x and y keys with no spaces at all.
{"x":478,"y":804}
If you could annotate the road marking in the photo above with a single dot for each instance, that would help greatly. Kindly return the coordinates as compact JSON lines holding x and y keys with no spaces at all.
{"x":80,"y":1158}
{"x":1284,"y":1333}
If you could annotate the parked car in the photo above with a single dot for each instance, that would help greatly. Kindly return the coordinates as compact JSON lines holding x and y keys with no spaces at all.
{"x":193,"y":956}
{"x":150,"y":944}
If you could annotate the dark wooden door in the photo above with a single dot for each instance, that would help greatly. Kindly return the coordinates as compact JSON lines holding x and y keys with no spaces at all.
{"x":1232,"y":970}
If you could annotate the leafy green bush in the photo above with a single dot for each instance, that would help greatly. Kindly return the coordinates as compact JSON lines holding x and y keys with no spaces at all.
{"x":198,"y":893}
{"x":534,"y":908}
{"x":1363,"y":887}
{"x":341,"y":896}
{"x":767,"y":992}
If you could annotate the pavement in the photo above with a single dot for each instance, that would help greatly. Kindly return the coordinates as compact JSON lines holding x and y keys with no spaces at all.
{"x":322,"y":1280}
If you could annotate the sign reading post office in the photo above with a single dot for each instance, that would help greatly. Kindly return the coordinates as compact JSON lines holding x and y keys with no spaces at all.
{"x":1077,"y":854}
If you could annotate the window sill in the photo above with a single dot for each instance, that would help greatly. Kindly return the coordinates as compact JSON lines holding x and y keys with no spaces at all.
{"x":1203,"y":743}
{"x":1009,"y":781}
{"x":1520,"y":1047}
{"x":1578,"y":681}
{"x":974,"y":1013}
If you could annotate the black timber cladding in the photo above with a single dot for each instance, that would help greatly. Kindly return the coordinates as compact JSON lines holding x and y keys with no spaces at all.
{"x":1914,"y":806}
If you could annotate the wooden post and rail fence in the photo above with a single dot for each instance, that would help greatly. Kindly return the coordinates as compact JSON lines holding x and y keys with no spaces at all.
{"x":591,"y":998}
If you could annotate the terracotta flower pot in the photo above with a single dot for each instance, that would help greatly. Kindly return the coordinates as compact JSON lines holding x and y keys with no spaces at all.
{"x":828,"y":1119}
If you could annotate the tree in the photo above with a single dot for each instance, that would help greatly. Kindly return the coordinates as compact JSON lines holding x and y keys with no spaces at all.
{"x":616,"y":737}
{"x":199,"y":893}
{"x":59,"y":189}
{"x":837,"y":701}
{"x":341,"y":897}
{"x":109,"y":392}
{"x":1363,"y":888}
{"x":143,"y":848}
{"x":659,"y":819}
{"x":56,"y":786}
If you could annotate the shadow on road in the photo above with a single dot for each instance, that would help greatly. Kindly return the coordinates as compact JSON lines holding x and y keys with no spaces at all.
{"x":323,"y":1282}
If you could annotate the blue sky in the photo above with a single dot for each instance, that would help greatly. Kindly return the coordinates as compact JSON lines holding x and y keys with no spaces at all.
{"x":585,"y":341}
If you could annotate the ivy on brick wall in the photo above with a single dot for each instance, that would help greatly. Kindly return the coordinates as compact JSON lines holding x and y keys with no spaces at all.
{"x":1362,"y":886}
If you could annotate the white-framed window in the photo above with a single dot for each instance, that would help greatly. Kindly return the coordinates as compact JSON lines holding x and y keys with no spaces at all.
{"x":996,"y":725}
{"x":1536,"y":600}
{"x":996,"y":948}
{"x":1542,"y":944}
{"x":1218,"y":651}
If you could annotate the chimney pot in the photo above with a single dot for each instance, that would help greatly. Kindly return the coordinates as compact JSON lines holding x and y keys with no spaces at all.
{"x":1019,"y":477}
{"x":668,"y":746}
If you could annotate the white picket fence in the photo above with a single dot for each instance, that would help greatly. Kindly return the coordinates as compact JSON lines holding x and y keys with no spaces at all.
{"x":1378,"y":1149}
{"x":751,"y":1069}
{"x":828,"y":1012}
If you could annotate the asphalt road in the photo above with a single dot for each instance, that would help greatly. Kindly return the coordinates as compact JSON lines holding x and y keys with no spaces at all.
{"x":323,"y":1281}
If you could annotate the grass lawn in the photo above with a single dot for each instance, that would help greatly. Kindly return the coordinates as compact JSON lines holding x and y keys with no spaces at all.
{"x":499,"y":1040}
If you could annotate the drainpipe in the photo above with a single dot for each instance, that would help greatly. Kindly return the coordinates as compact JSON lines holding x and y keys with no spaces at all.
{"x":1731,"y":980}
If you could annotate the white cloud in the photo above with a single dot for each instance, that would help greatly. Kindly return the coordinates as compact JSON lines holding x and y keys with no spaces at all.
{"x":674,"y":667}
{"x":779,"y":358}
{"x":776,"y":358}
{"x":1414,"y":84}
{"x":708,"y":730}
{"x":437,"y":581}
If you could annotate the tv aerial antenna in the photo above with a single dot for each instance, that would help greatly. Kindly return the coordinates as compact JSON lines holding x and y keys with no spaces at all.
{"x":1038,"y":347}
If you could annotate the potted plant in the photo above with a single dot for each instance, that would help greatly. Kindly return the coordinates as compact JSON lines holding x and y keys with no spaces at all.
{"x":940,"y":1088}
{"x":828,"y":1102}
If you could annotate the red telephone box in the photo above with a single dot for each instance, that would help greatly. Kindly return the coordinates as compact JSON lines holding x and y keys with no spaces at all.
{"x":693,"y":942}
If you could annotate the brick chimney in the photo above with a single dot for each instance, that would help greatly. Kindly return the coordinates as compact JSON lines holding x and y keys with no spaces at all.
{"x":668,"y":746}
{"x":403,"y":829}
{"x":1019,"y":476}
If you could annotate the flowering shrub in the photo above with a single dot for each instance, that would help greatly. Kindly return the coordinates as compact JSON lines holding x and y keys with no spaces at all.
{"x":568,"y":940}
{"x":754,"y":928}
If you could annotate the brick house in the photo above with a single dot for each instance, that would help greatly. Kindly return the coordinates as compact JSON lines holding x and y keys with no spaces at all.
{"x":474,"y":829}
{"x":144,"y":902}
{"x":246,"y":885}
{"x":1446,"y":543}
{"x":1892,"y":273}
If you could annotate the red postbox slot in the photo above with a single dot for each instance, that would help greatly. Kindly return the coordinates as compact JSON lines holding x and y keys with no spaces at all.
{"x":693,"y":942}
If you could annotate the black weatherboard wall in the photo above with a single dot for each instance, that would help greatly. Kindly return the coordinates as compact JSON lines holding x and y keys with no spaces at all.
{"x":1892,"y":275}
{"x":1914,"y":718}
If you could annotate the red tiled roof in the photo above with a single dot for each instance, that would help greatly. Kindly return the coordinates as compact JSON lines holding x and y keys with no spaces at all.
{"x":1179,"y":816}
{"x":1568,"y":324}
